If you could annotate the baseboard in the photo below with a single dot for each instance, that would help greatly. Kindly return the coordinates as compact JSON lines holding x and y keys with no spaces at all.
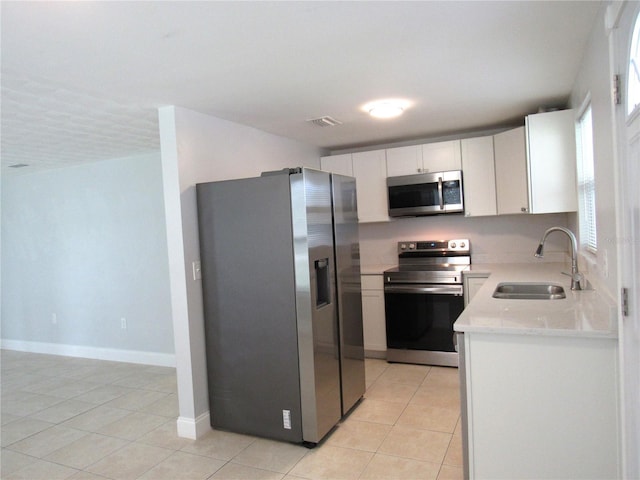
{"x":111,"y":354}
{"x":194,"y":428}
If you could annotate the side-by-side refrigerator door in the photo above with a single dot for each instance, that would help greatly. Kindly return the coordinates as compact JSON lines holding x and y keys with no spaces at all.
{"x":315,"y":303}
{"x":347,"y":254}
{"x":251,"y":332}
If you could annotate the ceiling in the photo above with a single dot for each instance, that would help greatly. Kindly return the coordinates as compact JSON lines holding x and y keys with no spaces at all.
{"x":82,"y":81}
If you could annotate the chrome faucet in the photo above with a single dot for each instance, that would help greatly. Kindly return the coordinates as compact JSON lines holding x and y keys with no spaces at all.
{"x":576,"y":277}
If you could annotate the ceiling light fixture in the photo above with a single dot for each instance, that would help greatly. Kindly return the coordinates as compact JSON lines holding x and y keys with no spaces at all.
{"x":386,"y":108}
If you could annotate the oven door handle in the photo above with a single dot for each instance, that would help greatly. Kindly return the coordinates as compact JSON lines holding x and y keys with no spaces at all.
{"x":442,"y":290}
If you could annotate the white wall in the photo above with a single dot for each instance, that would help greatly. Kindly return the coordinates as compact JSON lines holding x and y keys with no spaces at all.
{"x":594,"y":79}
{"x":507,"y":238}
{"x":199,"y":148}
{"x":608,"y":267}
{"x":87,"y":244}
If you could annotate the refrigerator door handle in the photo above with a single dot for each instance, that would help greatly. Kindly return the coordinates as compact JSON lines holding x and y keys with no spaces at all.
{"x":322,"y":263}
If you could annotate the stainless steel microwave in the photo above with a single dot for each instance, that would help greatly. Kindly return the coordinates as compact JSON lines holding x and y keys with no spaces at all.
{"x":425,"y":194}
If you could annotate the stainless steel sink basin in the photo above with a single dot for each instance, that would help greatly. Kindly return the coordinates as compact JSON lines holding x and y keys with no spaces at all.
{"x":528,"y":291}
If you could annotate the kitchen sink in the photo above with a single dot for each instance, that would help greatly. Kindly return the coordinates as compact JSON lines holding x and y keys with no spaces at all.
{"x":528,"y":291}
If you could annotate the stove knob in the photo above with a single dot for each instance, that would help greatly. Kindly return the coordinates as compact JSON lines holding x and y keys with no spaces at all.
{"x":462,"y":245}
{"x":453,"y":244}
{"x":403,"y":246}
{"x":412,"y":246}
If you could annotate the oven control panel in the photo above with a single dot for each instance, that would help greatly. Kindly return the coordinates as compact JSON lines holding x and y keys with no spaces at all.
{"x":455,"y":245}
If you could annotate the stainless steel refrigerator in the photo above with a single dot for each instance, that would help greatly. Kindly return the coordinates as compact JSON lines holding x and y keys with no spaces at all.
{"x":282,"y":302}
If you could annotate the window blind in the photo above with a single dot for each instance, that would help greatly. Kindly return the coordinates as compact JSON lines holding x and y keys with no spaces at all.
{"x":586,"y":182}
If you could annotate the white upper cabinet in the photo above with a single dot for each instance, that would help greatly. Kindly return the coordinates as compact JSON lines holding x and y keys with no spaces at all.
{"x":340,"y":164}
{"x":536,"y":165}
{"x":431,"y":157}
{"x":370,"y":171}
{"x":512,"y":192}
{"x":551,"y":145}
{"x":404,"y":160}
{"x":478,"y":176}
{"x":441,"y":156}
{"x":529,"y":169}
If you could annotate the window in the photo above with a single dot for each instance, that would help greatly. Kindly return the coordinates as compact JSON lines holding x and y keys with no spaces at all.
{"x":633,"y":88}
{"x":586,"y":182}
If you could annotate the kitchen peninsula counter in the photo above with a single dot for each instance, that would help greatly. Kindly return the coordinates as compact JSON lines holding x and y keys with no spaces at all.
{"x":586,"y":313}
{"x":539,"y":392}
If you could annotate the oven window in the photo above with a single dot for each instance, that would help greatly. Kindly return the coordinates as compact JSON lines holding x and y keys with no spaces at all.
{"x":419,"y":321}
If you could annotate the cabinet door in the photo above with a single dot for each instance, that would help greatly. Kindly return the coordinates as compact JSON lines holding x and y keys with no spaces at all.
{"x":404,"y":160}
{"x":370,"y":170}
{"x":375,"y":333}
{"x":340,"y":164}
{"x":479,"y":180}
{"x":553,"y":394}
{"x":551,"y":147}
{"x":441,"y":156}
{"x":512,"y":193}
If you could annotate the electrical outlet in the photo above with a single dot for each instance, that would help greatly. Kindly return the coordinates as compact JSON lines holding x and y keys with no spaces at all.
{"x":54,"y":319}
{"x":123,"y":323}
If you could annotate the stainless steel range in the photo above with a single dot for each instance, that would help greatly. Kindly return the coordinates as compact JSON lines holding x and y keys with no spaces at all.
{"x":423,"y":297}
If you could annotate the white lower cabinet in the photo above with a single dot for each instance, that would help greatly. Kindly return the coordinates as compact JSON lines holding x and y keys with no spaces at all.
{"x":472,"y":284}
{"x":375,"y":334}
{"x":540,"y":406}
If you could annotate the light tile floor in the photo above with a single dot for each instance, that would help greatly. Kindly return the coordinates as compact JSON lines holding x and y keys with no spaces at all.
{"x":77,"y":418}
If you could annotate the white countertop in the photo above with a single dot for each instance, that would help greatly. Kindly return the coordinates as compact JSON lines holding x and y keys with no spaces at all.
{"x":587,"y":313}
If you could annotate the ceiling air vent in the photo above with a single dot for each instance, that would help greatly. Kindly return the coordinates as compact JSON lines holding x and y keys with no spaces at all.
{"x":325,"y":122}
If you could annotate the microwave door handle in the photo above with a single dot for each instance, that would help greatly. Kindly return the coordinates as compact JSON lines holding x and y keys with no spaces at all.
{"x":440,"y":193}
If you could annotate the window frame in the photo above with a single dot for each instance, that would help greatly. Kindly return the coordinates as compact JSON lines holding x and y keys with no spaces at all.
{"x":633,"y":65}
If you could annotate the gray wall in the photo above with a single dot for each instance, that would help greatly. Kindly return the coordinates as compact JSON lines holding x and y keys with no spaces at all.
{"x":88,"y":244}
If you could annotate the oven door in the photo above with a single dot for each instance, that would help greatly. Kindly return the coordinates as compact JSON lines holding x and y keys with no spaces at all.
{"x":421,"y":317}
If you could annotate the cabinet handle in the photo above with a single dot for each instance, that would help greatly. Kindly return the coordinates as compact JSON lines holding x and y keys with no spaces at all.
{"x":524,"y":209}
